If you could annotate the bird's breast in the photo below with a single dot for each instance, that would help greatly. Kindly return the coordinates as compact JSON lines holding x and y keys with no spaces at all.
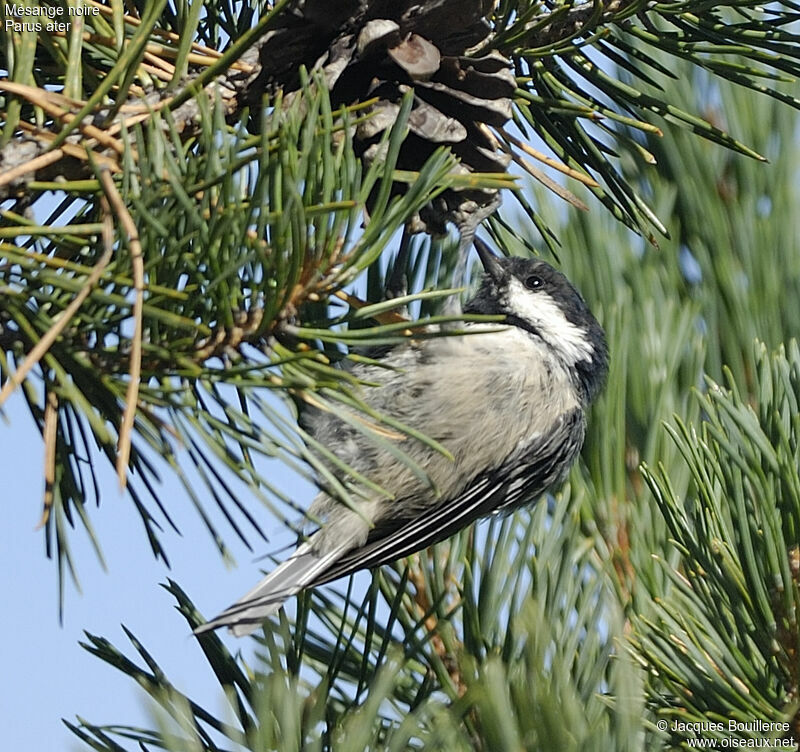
{"x":500,"y":389}
{"x":482,"y":396}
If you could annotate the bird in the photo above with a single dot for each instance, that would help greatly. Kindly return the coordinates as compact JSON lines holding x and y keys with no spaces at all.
{"x":506,"y":400}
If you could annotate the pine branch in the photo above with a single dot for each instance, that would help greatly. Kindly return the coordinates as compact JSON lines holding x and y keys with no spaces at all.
{"x":349,"y":676}
{"x":227,"y":251}
{"x":722,"y":640}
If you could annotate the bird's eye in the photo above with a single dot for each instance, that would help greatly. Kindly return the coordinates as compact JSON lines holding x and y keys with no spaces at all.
{"x":534,"y":282}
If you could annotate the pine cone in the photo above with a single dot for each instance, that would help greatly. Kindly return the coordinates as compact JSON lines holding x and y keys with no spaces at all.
{"x":385,"y":49}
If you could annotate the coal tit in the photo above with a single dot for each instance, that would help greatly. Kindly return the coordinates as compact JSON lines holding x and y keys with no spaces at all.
{"x":508,"y":403}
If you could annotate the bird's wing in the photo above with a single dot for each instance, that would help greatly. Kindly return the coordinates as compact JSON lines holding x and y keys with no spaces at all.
{"x":524,"y":477}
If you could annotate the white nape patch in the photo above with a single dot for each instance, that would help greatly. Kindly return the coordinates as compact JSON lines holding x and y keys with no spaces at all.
{"x":539,"y":309}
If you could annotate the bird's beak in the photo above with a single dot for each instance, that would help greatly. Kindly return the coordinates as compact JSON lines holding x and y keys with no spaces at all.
{"x":488,"y":259}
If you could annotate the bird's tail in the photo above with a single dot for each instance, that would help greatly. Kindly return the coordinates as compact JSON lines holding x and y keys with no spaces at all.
{"x":289,"y":578}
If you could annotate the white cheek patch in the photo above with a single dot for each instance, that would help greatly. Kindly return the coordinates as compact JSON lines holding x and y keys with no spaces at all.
{"x":543,"y":313}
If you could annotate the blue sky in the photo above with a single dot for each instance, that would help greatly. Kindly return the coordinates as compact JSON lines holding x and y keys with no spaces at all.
{"x":47,"y":675}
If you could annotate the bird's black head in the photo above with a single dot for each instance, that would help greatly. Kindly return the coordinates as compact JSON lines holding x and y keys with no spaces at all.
{"x":534,"y":296}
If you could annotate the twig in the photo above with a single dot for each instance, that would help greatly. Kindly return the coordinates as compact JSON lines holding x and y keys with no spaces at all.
{"x":49,"y":436}
{"x":423,"y":602}
{"x":549,"y":161}
{"x":159,"y":62}
{"x":42,"y":98}
{"x":234,"y":86}
{"x":43,"y":160}
{"x":137,"y":261}
{"x":547,"y":181}
{"x":571,"y":23}
{"x":163,"y":33}
{"x":71,"y":150}
{"x":159,"y":54}
{"x":386,"y":317}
